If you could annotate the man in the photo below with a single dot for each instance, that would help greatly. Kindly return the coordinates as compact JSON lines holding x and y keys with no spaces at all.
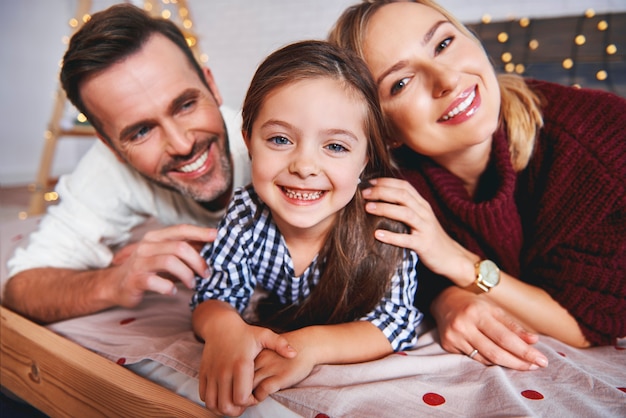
{"x":169,"y":157}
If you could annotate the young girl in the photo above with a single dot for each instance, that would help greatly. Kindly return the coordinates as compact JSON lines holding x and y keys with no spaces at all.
{"x":314,"y":131}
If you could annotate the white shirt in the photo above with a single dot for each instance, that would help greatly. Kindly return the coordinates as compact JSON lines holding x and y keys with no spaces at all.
{"x":102,"y":200}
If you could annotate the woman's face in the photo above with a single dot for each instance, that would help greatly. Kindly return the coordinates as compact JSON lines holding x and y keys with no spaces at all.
{"x":436,"y":85}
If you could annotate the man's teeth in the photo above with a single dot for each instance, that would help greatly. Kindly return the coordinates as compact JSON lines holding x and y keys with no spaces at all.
{"x":196,"y":164}
{"x":461,"y":107}
{"x":303,"y":196}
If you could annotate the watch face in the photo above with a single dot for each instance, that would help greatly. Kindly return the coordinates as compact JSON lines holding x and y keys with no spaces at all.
{"x":489,"y":272}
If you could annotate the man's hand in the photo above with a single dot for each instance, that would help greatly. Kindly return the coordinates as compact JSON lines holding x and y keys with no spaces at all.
{"x":153,"y":264}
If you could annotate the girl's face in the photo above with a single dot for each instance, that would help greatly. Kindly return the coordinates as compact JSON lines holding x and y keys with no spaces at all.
{"x":436,"y":85}
{"x":308,"y":147}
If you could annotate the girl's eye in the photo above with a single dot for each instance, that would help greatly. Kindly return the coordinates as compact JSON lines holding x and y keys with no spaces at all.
{"x":395,"y":89}
{"x":443,"y":45}
{"x":279,"y":140}
{"x":336,"y":148}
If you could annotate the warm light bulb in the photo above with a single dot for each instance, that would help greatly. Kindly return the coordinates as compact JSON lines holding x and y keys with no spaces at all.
{"x":601,"y":75}
{"x":166,"y":14}
{"x":589,"y":13}
{"x":533,"y":44}
{"x":507,"y":57}
{"x":509,"y":68}
{"x":187,"y":24}
{"x":486,"y":19}
{"x":568,"y":63}
{"x":580,"y":40}
{"x":524,"y":22}
{"x":519,"y":68}
{"x":503,"y":37}
{"x":611,"y":49}
{"x":602,"y":25}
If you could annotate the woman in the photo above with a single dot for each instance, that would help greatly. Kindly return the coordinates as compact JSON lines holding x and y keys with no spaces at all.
{"x":526,"y":176}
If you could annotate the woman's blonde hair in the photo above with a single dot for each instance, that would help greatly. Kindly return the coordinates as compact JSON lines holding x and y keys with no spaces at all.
{"x":520,"y":109}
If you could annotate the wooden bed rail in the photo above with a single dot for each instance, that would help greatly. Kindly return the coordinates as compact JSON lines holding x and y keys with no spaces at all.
{"x":64,"y":379}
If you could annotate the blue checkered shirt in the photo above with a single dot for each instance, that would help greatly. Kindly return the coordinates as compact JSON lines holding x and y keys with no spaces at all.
{"x":250,"y":250}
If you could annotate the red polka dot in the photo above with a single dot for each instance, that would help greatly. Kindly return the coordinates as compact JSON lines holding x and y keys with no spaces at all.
{"x":401,"y":353}
{"x":622,"y":389}
{"x":126,"y":321}
{"x":121,"y":361}
{"x":321,"y":416}
{"x":532,"y":394}
{"x":433,"y":399}
{"x":561,"y":354}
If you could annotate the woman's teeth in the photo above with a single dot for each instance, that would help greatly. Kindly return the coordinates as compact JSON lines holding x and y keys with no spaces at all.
{"x":196,"y":164}
{"x":461,"y":107}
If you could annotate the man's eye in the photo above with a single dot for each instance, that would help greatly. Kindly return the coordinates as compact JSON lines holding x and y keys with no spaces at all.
{"x":141,"y":133}
{"x":395,"y":89}
{"x":188,"y":104}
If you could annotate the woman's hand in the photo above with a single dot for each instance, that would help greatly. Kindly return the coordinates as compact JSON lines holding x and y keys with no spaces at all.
{"x":468,"y":322}
{"x":397,"y":199}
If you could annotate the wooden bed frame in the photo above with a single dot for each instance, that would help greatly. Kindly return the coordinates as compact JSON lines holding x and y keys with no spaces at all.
{"x":64,"y":379}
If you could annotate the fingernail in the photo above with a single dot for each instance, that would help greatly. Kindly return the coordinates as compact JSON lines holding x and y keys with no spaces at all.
{"x":366,"y":192}
{"x":543,"y":362}
{"x":533,"y":367}
{"x":174,"y":290}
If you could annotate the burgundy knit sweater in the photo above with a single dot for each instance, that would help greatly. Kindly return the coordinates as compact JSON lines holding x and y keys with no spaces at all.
{"x":560,"y":224}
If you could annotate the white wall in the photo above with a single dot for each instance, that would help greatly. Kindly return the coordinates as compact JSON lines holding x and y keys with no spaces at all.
{"x":236,"y":35}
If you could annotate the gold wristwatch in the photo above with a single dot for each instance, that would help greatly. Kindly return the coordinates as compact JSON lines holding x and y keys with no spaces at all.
{"x":487,"y":277}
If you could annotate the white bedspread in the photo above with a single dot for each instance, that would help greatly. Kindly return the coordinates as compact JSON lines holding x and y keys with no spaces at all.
{"x":426,"y":381}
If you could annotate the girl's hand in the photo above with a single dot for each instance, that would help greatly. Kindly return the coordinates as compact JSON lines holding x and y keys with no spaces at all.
{"x":274,"y":372}
{"x":397,"y":199}
{"x":226,"y":374}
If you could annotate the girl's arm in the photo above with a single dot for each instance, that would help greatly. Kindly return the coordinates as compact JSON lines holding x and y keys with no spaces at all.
{"x":352,"y":342}
{"x":227,"y":365}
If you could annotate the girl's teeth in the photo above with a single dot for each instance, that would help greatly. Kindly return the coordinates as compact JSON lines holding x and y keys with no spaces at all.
{"x":196,"y":164}
{"x":461,"y":107}
{"x":302,"y":196}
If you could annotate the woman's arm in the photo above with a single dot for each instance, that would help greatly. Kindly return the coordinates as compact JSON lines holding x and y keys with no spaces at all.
{"x":352,"y":342}
{"x":494,"y":322}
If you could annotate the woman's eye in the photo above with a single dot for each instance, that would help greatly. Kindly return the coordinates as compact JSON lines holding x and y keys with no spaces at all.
{"x":336,"y":148}
{"x":443,"y":45}
{"x":395,"y":89}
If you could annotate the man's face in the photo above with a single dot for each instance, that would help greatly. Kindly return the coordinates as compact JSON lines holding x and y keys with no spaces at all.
{"x":163,"y":120}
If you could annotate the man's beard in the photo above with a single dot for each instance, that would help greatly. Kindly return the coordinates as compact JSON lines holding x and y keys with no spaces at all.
{"x":223,"y":172}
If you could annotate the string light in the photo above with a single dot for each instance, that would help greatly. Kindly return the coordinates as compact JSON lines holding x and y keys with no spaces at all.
{"x":579,"y":62}
{"x":568,"y":63}
{"x":580,"y":40}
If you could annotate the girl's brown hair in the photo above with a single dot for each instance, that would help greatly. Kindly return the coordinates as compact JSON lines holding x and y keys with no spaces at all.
{"x":520,"y":109}
{"x":355,"y":267}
